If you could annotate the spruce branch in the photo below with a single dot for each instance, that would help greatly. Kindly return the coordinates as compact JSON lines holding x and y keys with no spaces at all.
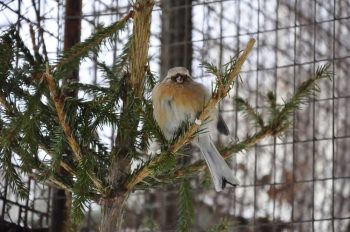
{"x":12,"y":39}
{"x":72,"y":56}
{"x":59,"y":102}
{"x":275,"y":127}
{"x":218,"y":94}
{"x":14,"y":180}
{"x":199,"y":166}
{"x":11,"y":110}
{"x":249,"y":111}
{"x":303,"y":93}
{"x":32,"y":166}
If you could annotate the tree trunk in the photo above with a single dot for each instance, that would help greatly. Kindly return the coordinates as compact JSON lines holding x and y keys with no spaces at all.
{"x":176,"y":50}
{"x":176,"y":40}
{"x":112,"y":214}
{"x":112,"y":207}
{"x":61,"y":199}
{"x":60,"y":215}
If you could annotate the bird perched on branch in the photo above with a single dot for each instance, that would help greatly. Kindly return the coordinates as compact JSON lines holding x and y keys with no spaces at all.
{"x":178,"y":99}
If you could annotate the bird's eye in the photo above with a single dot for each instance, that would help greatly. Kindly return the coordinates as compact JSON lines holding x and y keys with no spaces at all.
{"x":179,"y":78}
{"x":176,"y":77}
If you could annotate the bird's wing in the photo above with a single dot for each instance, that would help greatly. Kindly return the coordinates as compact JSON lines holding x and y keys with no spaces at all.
{"x":221,"y":126}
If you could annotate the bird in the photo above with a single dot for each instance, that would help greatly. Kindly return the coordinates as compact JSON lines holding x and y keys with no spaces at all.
{"x":178,"y":99}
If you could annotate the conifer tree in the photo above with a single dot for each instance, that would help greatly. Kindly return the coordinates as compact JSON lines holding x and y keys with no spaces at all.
{"x":36,"y":117}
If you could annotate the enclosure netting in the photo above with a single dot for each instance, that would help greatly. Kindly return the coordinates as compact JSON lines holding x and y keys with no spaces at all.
{"x":297,"y":182}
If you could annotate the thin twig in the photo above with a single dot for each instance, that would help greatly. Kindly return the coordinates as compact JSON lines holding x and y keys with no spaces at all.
{"x":32,"y":36}
{"x":41,"y":30}
{"x":58,"y":101}
{"x":52,"y":181}
{"x":26,"y":19}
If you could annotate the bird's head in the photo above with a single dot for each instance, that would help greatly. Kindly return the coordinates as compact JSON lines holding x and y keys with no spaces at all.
{"x":178,"y":75}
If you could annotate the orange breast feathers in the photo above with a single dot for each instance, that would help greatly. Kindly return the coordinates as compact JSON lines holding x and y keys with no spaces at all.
{"x":174,"y":102}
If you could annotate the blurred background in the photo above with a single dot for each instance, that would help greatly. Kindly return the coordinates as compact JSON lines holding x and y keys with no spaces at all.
{"x":297,"y":182}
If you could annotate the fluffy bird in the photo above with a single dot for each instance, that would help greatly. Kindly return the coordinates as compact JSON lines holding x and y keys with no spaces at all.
{"x":178,"y":99}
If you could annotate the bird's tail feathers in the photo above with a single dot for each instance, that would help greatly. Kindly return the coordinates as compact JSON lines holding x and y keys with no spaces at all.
{"x":220,"y":172}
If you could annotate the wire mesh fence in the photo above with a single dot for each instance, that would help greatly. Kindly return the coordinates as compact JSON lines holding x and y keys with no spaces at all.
{"x":31,"y":212}
{"x":298,"y":182}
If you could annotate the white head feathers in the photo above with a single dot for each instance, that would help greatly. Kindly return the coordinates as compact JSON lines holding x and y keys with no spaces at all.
{"x":178,"y":70}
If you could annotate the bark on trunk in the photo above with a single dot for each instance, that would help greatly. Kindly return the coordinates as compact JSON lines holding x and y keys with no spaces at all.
{"x":61,"y":199}
{"x":176,"y":47}
{"x":60,"y":215}
{"x":112,"y":214}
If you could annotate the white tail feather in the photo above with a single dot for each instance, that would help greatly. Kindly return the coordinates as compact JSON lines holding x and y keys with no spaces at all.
{"x":220,"y":172}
